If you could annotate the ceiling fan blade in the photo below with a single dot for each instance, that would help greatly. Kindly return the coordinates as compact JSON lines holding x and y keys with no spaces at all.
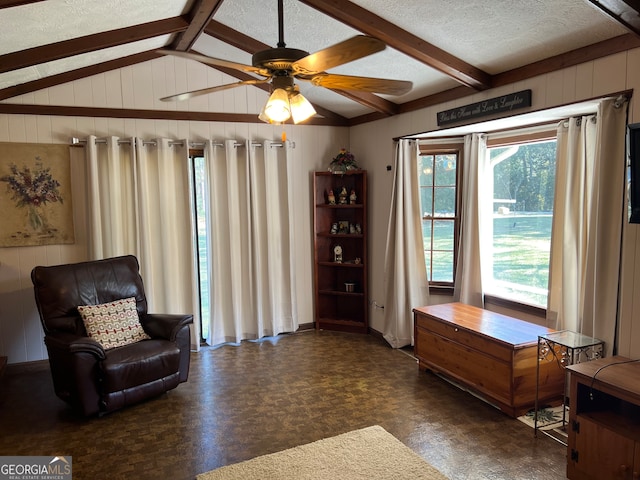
{"x":218,"y":62}
{"x":338,"y":54}
{"x":204,"y":91}
{"x":362,"y":84}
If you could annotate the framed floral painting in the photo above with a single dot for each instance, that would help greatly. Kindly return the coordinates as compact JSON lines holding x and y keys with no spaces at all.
{"x":35,"y":195}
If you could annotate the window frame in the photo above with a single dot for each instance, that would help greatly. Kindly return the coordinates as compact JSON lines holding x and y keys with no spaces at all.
{"x":447,"y":146}
{"x":506,"y":138}
{"x":195,"y":153}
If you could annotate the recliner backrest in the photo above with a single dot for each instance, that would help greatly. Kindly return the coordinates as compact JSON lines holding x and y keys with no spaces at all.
{"x":60,"y":289}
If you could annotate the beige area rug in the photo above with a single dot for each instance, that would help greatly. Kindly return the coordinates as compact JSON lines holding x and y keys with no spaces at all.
{"x":370,"y":453}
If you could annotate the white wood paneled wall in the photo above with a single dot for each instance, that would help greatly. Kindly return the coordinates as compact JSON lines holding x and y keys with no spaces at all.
{"x":373,"y":143}
{"x":140,"y":86}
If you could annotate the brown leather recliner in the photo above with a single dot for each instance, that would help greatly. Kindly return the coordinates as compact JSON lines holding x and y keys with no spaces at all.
{"x":91,"y":379}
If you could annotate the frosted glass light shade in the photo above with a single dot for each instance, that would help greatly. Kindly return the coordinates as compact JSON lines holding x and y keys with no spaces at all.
{"x":301,"y":108}
{"x":277,"y":108}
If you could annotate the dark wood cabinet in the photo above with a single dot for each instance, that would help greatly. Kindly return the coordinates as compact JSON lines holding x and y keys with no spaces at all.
{"x":340,"y":244}
{"x":604,"y":420}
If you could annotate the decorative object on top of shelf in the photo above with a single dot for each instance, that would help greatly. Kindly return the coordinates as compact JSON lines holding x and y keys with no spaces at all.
{"x":342,"y":196}
{"x":353,"y":198}
{"x":343,"y":162}
{"x":331,"y":198}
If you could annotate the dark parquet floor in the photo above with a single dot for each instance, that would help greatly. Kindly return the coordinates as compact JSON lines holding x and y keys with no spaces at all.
{"x":263,"y":397}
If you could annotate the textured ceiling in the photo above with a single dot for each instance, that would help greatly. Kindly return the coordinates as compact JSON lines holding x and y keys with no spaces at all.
{"x":41,"y":23}
{"x":494,"y":37}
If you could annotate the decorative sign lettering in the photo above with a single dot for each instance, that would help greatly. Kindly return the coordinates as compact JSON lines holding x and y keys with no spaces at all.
{"x":502,"y":104}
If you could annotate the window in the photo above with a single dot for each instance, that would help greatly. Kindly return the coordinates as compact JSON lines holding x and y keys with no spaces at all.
{"x":521,"y":205}
{"x":199,"y":197}
{"x":438,"y":184}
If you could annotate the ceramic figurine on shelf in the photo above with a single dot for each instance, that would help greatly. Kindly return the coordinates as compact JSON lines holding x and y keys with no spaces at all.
{"x":358,"y":228}
{"x":353,"y":197}
{"x":342,"y":197}
{"x":352,"y":228}
{"x":331,"y":197}
{"x":334,"y":229}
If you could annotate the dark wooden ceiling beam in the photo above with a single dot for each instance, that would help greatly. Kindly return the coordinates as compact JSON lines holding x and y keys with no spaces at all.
{"x":403,"y":41}
{"x":565,"y":60}
{"x":234,"y":38}
{"x":70,"y":76}
{"x":586,"y":54}
{"x":251,"y":45}
{"x":590,"y":53}
{"x":625,"y":12}
{"x":614,"y":45}
{"x":90,"y":43}
{"x":16,"y":3}
{"x":66,"y":111}
{"x":199,"y":16}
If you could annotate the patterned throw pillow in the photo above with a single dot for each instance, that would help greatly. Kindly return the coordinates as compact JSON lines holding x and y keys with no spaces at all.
{"x":113,"y":324}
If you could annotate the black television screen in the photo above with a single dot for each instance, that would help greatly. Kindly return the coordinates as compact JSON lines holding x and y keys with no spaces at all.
{"x":633,"y":171}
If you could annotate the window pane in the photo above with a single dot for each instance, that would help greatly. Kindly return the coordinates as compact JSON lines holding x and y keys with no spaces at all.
{"x":445,"y":204}
{"x":521,"y":257}
{"x":442,"y":266}
{"x":443,"y":235}
{"x":426,"y":196}
{"x":522,"y":204}
{"x":425,"y":170}
{"x":446,"y":169}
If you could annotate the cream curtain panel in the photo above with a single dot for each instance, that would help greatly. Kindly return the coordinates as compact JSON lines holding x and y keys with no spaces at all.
{"x":587,"y":223}
{"x":251,"y":241}
{"x":475,"y":222}
{"x":405,"y":281}
{"x":139,"y":203}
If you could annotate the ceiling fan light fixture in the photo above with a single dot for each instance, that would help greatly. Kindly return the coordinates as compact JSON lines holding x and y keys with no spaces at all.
{"x":301,"y":108}
{"x":280,"y":66}
{"x":277,"y":109}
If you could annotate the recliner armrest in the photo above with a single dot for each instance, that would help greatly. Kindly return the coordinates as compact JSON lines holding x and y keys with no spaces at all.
{"x":164,"y":325}
{"x":70,"y":343}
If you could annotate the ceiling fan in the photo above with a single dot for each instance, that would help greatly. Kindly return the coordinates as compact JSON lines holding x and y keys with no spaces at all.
{"x":281,"y":66}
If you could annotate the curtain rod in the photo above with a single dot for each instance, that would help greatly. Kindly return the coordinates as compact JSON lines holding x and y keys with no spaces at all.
{"x":74,"y":141}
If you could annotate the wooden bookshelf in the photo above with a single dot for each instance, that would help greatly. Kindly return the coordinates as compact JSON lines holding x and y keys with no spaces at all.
{"x":341,"y":300}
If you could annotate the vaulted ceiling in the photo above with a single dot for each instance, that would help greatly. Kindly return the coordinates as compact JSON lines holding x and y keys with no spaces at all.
{"x":448,"y":49}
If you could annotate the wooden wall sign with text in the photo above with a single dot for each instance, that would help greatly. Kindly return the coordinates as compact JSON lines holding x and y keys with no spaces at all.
{"x":502,"y":104}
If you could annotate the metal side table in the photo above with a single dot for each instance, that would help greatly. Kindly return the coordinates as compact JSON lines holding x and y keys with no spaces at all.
{"x":566,"y":348}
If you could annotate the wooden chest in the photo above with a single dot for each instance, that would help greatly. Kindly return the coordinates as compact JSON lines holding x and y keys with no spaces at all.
{"x":493,"y":355}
